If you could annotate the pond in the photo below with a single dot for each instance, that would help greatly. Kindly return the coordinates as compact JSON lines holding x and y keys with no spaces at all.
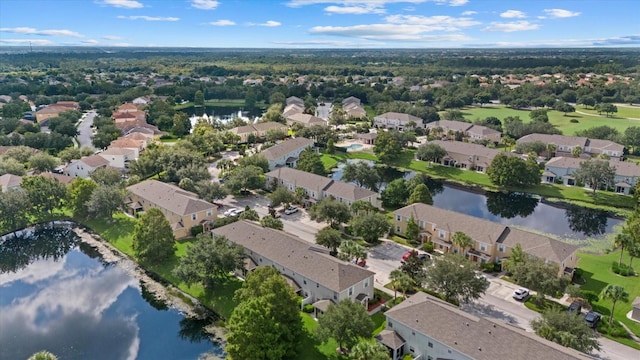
{"x":59,"y":295}
{"x":509,"y":208}
{"x":221,"y":111}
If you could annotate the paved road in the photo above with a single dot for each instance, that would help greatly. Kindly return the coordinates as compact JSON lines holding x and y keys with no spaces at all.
{"x":85,"y":131}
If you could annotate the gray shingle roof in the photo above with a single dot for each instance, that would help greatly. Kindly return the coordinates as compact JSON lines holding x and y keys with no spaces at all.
{"x":170,"y":197}
{"x":295,"y":255}
{"x":478,"y":229}
{"x":285,"y":147}
{"x":465,"y":148}
{"x":539,"y":245}
{"x":623,"y":168}
{"x":348,"y":191}
{"x":306,"y":119}
{"x":94,"y":161}
{"x":478,"y":338}
{"x":9,"y":181}
{"x":450,"y":124}
{"x":300,"y":178}
{"x":399,"y":116}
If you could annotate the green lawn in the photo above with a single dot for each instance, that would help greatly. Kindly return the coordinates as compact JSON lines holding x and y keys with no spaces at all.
{"x":217,"y":102}
{"x":558,"y":119}
{"x":623,"y":112}
{"x":597,"y":275}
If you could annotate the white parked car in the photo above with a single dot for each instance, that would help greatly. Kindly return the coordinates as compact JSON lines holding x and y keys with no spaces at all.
{"x":229,"y":212}
{"x":290,"y":210}
{"x":521,"y":294}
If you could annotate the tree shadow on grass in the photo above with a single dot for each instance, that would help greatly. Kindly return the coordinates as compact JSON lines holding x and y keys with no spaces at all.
{"x":588,"y":283}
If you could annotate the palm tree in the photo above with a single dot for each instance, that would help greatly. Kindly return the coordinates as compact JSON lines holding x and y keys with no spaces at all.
{"x":576,"y":151}
{"x":551,"y":149}
{"x":368,"y":350}
{"x":622,"y":241}
{"x":400,"y":281}
{"x":615,"y":293}
{"x":43,"y":355}
{"x":462,"y":240}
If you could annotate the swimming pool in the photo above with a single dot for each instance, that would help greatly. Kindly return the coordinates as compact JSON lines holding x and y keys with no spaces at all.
{"x":355,"y":147}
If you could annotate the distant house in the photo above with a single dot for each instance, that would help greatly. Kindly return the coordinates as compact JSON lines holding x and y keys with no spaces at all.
{"x":319,"y":187}
{"x":287,"y":152}
{"x":564,"y":145}
{"x":469,"y":130}
{"x":428,"y":328}
{"x":318,"y":277}
{"x":294,"y":100}
{"x":142,"y":126}
{"x":367,"y":138}
{"x":292,"y":110}
{"x":64,"y":179}
{"x":562,"y":168}
{"x":353,"y":108}
{"x":137,"y":146}
{"x":10,"y":182}
{"x":85,"y":166}
{"x":492,"y":241}
{"x":467,"y":156}
{"x":54,"y":110}
{"x":305,"y":119}
{"x":119,"y":157}
{"x":397,"y":121}
{"x":182,"y":208}
{"x":258,"y":130}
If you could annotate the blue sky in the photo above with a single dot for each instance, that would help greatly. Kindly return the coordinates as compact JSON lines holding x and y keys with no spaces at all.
{"x":321,"y":23}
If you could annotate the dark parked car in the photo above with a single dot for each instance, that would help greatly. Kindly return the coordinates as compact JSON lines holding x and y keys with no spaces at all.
{"x":592,"y":319}
{"x":575,"y":308}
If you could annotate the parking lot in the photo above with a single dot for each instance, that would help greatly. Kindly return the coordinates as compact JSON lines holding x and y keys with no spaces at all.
{"x":384,"y":258}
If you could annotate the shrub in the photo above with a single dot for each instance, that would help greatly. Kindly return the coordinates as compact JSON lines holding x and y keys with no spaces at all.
{"x":615,"y":330}
{"x":575,"y":121}
{"x":195,"y":230}
{"x":428,"y":247}
{"x":493,"y":267}
{"x":308,"y":308}
{"x":622,"y":269}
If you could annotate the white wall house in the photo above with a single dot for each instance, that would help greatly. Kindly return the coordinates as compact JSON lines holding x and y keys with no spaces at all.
{"x":397,"y":121}
{"x":287,"y":152}
{"x":85,"y":166}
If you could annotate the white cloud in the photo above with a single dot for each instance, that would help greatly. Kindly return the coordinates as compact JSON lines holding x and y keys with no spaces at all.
{"x":468,"y":13}
{"x":90,"y":42}
{"x":222,"y":22}
{"x":510,"y":14}
{"x":271,"y":23}
{"x":560,"y":13}
{"x":432,"y":23}
{"x":397,"y":32}
{"x":33,"y":31}
{"x":111,"y":37}
{"x":148,"y":18}
{"x":354,"y":10}
{"x":26,"y":41}
{"x":205,"y":4}
{"x":512,"y":26}
{"x":373,"y":3}
{"x":127,"y":4}
{"x":327,"y":43}
{"x":123,"y":44}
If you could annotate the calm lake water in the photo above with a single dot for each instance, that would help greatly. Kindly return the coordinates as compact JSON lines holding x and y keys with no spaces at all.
{"x":511,"y":208}
{"x":57,"y":294}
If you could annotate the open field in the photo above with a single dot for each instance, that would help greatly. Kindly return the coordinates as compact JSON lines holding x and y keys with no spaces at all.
{"x":217,"y":102}
{"x":597,"y":275}
{"x":625,"y":111}
{"x":563,"y":123}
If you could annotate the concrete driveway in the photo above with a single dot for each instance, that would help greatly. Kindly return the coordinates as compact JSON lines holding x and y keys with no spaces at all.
{"x":383,"y":259}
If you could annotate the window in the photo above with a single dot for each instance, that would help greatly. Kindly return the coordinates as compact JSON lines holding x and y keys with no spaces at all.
{"x":398,"y":218}
{"x":366,"y":283}
{"x":390,"y":324}
{"x":335,"y":296}
{"x":304,"y":282}
{"x":351,"y":291}
{"x":421,"y":224}
{"x":411,"y":347}
{"x":209,"y":212}
{"x":501,"y":248}
{"x":397,"y":228}
{"x":430,"y":344}
{"x":442,"y":233}
{"x":194,"y":216}
{"x":483,"y":247}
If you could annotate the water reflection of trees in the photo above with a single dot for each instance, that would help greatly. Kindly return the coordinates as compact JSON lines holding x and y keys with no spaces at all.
{"x":510,"y":205}
{"x":151,"y":298}
{"x":46,"y":242}
{"x":589,"y":222}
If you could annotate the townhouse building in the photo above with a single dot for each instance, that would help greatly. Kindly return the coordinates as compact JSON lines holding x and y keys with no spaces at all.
{"x":492,"y":241}
{"x":183,"y":209}
{"x":318,"y":277}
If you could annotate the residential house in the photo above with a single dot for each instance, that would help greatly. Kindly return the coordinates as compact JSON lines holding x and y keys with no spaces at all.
{"x":492,"y":241}
{"x":142,"y":126}
{"x":353,"y":108}
{"x":562,"y":168}
{"x":141,"y":101}
{"x":64,"y":179}
{"x":259,"y":130}
{"x":85,"y":166}
{"x":305,"y":119}
{"x":292,"y":110}
{"x":287,"y":152}
{"x":469,"y":130}
{"x":397,"y":121}
{"x":467,"y":155}
{"x":294,"y":100}
{"x":318,"y":277}
{"x":53,"y":110}
{"x":10,"y":182}
{"x":319,"y":187}
{"x":428,"y":328}
{"x":182,"y":208}
{"x":137,"y":146}
{"x":367,"y":138}
{"x":119,"y":157}
{"x":565,"y":145}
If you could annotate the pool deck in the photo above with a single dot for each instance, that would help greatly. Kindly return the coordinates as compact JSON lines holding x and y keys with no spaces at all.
{"x":348,"y":143}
